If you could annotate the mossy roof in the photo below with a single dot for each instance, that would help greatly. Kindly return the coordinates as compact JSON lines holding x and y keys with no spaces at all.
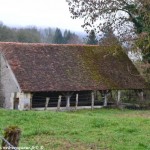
{"x":44,"y":67}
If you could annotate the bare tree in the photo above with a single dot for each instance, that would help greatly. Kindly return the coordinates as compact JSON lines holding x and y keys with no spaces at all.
{"x":129,"y":21}
{"x":125,"y":17}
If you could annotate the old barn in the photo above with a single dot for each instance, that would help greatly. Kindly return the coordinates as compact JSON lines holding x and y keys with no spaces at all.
{"x":43,"y":75}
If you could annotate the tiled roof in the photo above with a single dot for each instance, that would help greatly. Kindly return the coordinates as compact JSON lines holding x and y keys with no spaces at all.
{"x":44,"y":67}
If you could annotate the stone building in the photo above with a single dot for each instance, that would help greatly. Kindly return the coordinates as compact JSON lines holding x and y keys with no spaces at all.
{"x":32,"y":72}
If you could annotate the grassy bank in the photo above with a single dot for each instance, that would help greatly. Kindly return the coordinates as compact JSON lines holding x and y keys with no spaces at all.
{"x":81,"y":130}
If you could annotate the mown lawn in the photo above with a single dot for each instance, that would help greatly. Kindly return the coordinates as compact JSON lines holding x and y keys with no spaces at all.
{"x":100,"y":129}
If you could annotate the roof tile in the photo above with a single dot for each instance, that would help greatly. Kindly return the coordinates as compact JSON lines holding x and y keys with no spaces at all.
{"x":44,"y":67}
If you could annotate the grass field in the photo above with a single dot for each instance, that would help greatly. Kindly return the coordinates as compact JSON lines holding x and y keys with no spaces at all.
{"x":100,"y":129}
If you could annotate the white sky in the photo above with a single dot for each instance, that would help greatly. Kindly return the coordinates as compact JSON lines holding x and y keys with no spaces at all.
{"x":41,"y":13}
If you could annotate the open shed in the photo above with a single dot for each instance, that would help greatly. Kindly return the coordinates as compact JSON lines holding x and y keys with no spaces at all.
{"x":48,"y":75}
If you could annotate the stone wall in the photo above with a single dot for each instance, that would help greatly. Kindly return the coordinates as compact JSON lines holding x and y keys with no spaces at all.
{"x":8,"y":84}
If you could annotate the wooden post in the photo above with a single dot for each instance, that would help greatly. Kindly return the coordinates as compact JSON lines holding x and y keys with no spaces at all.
{"x":76,"y":105}
{"x":141,"y":96}
{"x":68,"y":96}
{"x":105,"y":99}
{"x":68,"y":102}
{"x":31,"y":101}
{"x":59,"y":103}
{"x":92,"y":100}
{"x":46,"y":103}
{"x":118,"y":97}
{"x":11,"y":138}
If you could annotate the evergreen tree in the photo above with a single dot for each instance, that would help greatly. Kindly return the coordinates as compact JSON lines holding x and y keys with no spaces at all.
{"x":29,"y":35}
{"x":58,"y":38}
{"x":7,"y":34}
{"x":71,"y":38}
{"x":92,"y":40}
{"x":67,"y":36}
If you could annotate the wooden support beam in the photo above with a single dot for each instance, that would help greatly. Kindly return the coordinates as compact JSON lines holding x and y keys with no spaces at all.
{"x":92,"y":100}
{"x":59,"y":102}
{"x":77,"y":99}
{"x":118,"y":97}
{"x":104,"y":94}
{"x":141,"y":95}
{"x":31,"y":101}
{"x":68,"y":96}
{"x":68,"y":102}
{"x":46,"y":103}
{"x":105,"y":99}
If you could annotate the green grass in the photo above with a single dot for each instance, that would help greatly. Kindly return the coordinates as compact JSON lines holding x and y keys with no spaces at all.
{"x":100,"y":129}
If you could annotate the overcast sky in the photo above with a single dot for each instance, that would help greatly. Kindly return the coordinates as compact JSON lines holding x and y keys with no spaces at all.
{"x":41,"y":13}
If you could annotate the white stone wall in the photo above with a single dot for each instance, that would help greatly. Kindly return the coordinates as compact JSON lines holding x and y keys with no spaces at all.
{"x":24,"y":101}
{"x":9,"y":83}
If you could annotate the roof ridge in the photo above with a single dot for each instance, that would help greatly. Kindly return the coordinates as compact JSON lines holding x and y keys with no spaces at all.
{"x":46,"y":44}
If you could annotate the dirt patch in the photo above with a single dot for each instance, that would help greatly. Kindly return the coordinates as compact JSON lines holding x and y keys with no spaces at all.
{"x":50,"y":143}
{"x":141,"y":115}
